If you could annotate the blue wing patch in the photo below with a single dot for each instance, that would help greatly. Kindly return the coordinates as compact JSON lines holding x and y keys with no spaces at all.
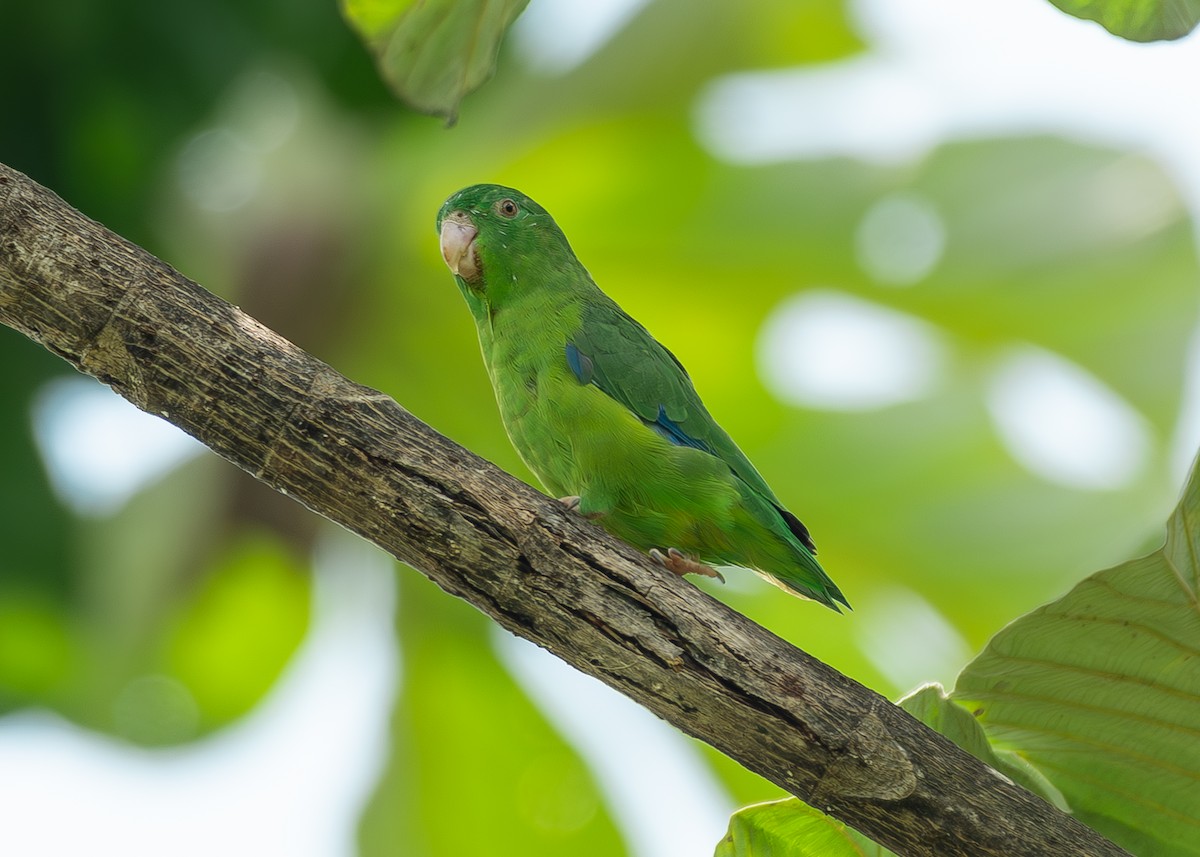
{"x":669,"y":429}
{"x":583,"y":369}
{"x":580,"y":363}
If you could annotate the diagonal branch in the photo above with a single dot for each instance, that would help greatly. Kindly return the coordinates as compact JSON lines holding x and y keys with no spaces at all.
{"x":353,"y":455}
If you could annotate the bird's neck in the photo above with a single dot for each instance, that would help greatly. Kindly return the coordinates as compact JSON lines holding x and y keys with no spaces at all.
{"x":530,"y":328}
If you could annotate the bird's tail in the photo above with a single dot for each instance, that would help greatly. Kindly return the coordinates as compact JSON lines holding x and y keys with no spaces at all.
{"x":809,"y":580}
{"x":788,"y":559}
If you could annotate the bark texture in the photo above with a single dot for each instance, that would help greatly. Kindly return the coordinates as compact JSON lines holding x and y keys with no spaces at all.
{"x":353,"y":455}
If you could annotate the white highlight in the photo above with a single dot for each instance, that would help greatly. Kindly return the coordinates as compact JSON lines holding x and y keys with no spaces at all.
{"x":1061,"y":423}
{"x":264,"y":110}
{"x":908,"y":640}
{"x":220,"y":169}
{"x":939,"y":70}
{"x":289,"y":780}
{"x":900,"y":240}
{"x":759,"y":117}
{"x":98,"y":449}
{"x":827,"y":349}
{"x":662,"y":794}
{"x":555,"y":36}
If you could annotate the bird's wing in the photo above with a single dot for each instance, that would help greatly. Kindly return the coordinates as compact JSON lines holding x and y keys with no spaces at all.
{"x":620,"y":357}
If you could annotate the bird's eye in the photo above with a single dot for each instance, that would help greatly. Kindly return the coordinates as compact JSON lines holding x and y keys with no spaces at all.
{"x":507,"y":208}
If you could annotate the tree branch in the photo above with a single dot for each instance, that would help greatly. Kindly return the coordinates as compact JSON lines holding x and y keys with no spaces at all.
{"x":353,"y":455}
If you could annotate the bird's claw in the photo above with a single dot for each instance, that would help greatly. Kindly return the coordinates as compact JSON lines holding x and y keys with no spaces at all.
{"x":674,"y":560}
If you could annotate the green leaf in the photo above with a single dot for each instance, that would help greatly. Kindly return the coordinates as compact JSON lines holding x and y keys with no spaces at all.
{"x":1100,"y":690}
{"x":787,"y":828}
{"x":932,"y":707}
{"x":1137,"y":20}
{"x":433,"y":53}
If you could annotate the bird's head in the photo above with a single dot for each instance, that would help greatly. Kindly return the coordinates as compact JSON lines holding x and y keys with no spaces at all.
{"x":495,"y":237}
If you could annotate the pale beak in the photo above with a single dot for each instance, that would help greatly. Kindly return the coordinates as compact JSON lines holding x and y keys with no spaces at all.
{"x":458,"y":246}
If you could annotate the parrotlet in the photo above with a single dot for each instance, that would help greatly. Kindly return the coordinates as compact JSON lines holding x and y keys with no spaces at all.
{"x":602,"y":413}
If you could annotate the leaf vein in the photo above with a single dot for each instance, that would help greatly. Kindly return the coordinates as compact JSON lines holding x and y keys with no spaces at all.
{"x":1061,"y":702}
{"x":1125,"y":623}
{"x":1105,"y":785}
{"x":1114,"y":749}
{"x":1187,"y":695}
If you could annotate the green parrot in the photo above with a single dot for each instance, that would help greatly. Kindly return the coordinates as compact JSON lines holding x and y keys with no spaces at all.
{"x":605,"y":416}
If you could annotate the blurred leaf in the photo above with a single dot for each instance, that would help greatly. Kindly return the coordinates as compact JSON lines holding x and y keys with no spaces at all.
{"x":788,"y":828}
{"x":167,"y":633}
{"x":237,"y":633}
{"x":474,"y":766}
{"x":1100,"y":690}
{"x":35,"y":529}
{"x":136,"y":569}
{"x":434,"y":52}
{"x":1137,"y":20}
{"x":37,"y":654}
{"x":120,"y":86}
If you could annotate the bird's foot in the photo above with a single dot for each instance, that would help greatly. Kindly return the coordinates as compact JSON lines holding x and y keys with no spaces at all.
{"x":675,"y":561}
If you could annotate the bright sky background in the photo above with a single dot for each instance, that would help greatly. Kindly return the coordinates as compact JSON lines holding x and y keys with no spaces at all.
{"x":291,"y":778}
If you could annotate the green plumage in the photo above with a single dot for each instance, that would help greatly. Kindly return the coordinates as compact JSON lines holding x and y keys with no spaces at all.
{"x":598,"y":409}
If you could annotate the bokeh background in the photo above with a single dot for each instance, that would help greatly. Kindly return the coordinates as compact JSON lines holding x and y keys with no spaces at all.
{"x":932,"y":264}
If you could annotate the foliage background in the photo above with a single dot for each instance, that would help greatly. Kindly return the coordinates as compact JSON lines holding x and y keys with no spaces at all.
{"x":253,"y":146}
